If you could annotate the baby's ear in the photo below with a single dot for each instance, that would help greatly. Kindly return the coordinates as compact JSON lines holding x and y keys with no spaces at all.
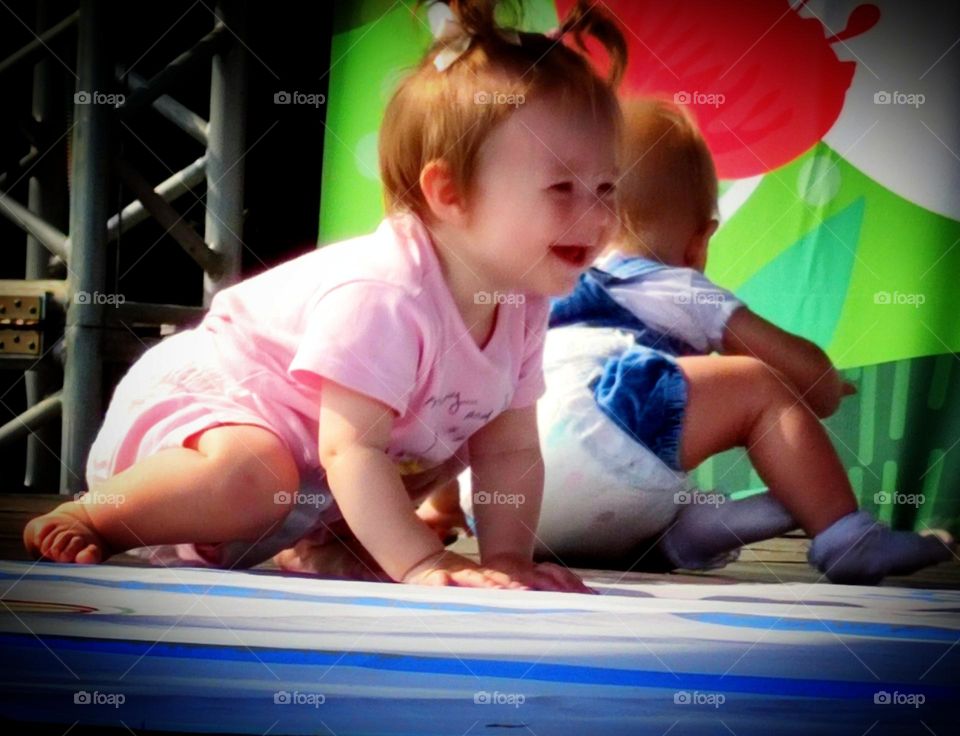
{"x":441,"y":193}
{"x":711,"y":229}
{"x":695,"y":255}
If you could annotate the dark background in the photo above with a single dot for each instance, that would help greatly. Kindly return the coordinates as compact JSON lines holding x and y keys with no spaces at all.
{"x":289,"y":49}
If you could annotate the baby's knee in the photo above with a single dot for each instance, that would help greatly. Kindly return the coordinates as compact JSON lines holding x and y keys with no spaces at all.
{"x":765,"y":383}
{"x":250,"y":464}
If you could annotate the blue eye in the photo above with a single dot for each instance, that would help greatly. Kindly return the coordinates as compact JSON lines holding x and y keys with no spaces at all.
{"x":563,"y":187}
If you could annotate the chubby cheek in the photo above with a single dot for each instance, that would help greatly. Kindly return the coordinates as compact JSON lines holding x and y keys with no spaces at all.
{"x":545,"y":225}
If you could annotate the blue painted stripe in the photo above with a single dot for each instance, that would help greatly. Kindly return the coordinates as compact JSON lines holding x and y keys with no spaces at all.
{"x":238,"y":591}
{"x":872,"y":629}
{"x":473,"y":668}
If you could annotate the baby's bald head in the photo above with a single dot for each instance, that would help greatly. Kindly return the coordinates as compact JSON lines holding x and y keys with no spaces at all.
{"x":668,"y":192}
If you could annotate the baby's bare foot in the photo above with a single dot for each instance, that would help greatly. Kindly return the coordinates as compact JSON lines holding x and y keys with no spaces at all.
{"x":444,"y":523}
{"x":334,"y":559}
{"x":65,"y":535}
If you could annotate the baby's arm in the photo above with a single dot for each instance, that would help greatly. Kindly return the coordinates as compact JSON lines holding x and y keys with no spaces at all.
{"x":507,"y":486}
{"x":806,"y":365}
{"x":354,"y":433}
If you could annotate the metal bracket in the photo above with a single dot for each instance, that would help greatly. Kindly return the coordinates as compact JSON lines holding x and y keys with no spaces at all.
{"x":21,"y":342}
{"x":21,"y":324}
{"x":29,"y":308}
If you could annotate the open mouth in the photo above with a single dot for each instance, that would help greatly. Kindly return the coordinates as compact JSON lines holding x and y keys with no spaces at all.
{"x":574,"y":255}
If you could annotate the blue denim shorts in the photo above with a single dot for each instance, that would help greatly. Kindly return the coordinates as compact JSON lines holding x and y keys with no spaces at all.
{"x":644,"y":392}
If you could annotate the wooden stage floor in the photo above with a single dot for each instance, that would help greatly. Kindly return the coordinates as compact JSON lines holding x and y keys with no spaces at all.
{"x":776,"y":560}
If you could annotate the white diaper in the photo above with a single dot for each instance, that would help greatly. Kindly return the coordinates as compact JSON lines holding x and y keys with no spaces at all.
{"x":604,"y":493}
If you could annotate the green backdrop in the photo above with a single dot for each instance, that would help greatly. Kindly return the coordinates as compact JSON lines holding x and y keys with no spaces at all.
{"x":816,"y":245}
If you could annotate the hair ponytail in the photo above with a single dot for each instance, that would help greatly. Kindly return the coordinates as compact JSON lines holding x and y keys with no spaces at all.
{"x":478,"y":17}
{"x":588,"y":19}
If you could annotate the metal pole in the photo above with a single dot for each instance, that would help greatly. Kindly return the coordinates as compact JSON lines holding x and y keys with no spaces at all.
{"x":180,"y":115}
{"x":39,"y":46}
{"x":88,"y":235}
{"x":32,"y":420}
{"x":51,"y":238}
{"x":180,"y":68}
{"x":170,"y":189}
{"x":226,"y":138}
{"x":16,"y":170}
{"x":48,"y":197}
{"x":169,"y":219}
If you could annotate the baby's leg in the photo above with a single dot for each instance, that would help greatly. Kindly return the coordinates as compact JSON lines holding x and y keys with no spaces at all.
{"x":741,"y":402}
{"x":704,"y":533}
{"x":334,"y":552}
{"x":737,"y":401}
{"x":219,"y":487}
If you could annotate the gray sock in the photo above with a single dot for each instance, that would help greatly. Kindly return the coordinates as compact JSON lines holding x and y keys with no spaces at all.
{"x":858,"y":550}
{"x":707,"y":531}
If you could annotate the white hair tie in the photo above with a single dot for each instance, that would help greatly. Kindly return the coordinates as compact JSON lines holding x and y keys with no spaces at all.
{"x":447,"y":28}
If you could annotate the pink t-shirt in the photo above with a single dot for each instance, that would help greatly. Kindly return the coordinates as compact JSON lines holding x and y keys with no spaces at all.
{"x":374,"y":314}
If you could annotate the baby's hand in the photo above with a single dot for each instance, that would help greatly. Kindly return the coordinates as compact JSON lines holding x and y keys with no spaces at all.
{"x":540,"y":576}
{"x":826,"y":395}
{"x":448,"y":568}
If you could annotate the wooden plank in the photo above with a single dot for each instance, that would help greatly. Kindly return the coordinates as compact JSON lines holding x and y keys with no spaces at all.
{"x":782,"y":559}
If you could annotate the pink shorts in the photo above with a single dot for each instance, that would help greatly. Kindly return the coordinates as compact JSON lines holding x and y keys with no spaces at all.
{"x":177,"y":389}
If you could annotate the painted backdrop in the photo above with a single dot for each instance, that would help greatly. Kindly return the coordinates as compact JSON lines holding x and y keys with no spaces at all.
{"x":833,"y":125}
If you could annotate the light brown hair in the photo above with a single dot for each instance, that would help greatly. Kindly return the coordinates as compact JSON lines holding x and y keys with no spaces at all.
{"x":668,"y":176}
{"x":436,"y":115}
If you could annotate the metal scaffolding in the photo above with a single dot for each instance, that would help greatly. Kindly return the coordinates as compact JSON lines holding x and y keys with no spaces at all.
{"x":43,"y":319}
